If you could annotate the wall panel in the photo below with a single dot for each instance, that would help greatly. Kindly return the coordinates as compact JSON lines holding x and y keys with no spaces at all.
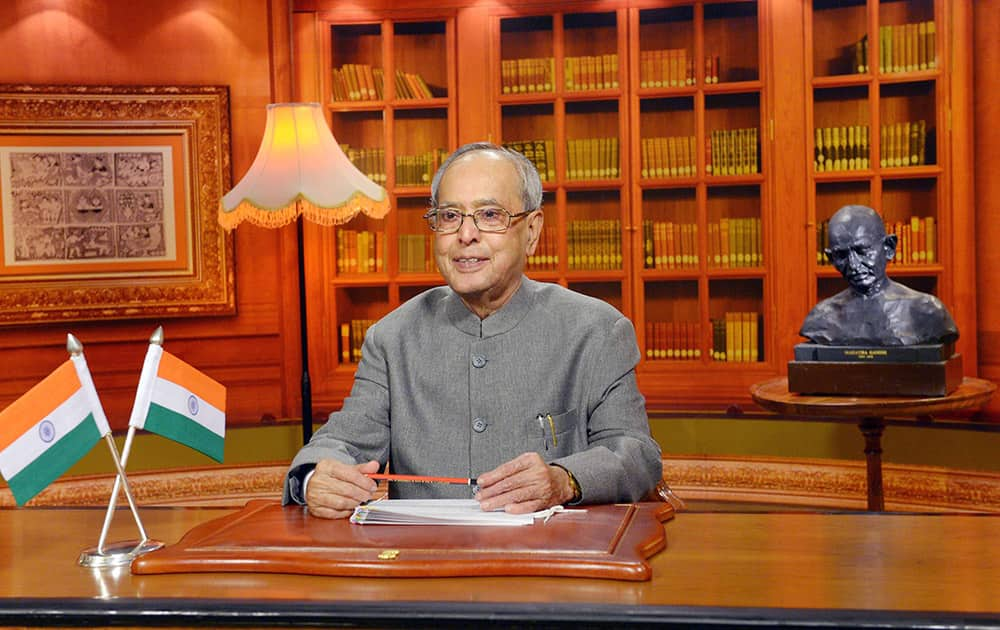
{"x":170,"y":42}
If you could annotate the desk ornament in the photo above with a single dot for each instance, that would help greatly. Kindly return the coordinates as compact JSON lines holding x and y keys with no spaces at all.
{"x":877,"y":337}
{"x":178,"y":402}
{"x":48,"y":429}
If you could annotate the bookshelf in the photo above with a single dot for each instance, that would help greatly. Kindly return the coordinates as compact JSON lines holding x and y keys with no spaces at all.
{"x":397,"y":132}
{"x":878,"y":110}
{"x":690,"y":150}
{"x":573,"y":124}
{"x":701,"y":269}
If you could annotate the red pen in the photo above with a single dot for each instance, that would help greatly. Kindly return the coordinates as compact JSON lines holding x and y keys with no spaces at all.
{"x":423,"y":479}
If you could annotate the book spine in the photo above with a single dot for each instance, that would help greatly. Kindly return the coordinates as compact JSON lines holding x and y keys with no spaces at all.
{"x":345,"y":343}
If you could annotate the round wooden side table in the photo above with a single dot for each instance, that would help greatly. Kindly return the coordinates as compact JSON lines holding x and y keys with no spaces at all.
{"x":870,"y":413}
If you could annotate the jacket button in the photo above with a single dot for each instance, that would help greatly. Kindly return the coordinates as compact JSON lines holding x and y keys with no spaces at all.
{"x":479,"y":425}
{"x":478,"y":360}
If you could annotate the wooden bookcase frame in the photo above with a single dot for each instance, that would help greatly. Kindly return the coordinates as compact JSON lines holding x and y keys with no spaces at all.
{"x":336,"y":296}
{"x":779,"y":98}
{"x":712,"y":289}
{"x":567,"y":199}
{"x":878,"y":96}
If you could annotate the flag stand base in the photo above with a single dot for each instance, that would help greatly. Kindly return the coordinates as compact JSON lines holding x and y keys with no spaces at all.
{"x":117,"y":554}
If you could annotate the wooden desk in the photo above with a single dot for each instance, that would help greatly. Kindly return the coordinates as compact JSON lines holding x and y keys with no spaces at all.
{"x":870,"y":413}
{"x":719,"y":569}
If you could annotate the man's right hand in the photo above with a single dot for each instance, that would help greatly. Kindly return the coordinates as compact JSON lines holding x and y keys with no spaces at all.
{"x":335,"y":488}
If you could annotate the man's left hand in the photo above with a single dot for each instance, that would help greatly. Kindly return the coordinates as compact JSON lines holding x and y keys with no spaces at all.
{"x":524,"y":484}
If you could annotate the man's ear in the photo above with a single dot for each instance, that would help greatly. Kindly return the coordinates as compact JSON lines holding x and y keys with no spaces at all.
{"x":535,"y":222}
{"x":889,"y":244}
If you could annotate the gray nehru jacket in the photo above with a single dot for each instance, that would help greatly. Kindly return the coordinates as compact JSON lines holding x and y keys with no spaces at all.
{"x":440,"y":392}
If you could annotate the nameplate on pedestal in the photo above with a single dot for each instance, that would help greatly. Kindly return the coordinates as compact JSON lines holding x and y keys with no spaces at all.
{"x":929,"y":353}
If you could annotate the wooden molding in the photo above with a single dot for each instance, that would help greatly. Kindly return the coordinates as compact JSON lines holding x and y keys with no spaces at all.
{"x":230,"y":486}
{"x":837,"y":484}
{"x":805,"y":483}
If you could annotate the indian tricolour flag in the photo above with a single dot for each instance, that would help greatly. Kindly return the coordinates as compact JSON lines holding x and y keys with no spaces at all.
{"x":48,"y":429}
{"x":180,"y":403}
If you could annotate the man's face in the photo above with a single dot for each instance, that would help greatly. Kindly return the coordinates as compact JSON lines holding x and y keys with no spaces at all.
{"x":484,"y":268}
{"x":859,"y":252}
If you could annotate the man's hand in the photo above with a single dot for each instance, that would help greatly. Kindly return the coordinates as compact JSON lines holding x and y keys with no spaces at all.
{"x":523,"y":485}
{"x":335,"y":488}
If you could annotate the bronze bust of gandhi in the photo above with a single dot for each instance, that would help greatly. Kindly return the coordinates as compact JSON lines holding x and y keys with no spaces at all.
{"x":873,"y":310}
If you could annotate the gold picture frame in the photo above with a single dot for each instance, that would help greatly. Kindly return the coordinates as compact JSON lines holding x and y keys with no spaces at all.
{"x":108,"y":200}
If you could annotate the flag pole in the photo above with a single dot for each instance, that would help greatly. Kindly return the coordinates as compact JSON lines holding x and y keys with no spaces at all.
{"x":155,"y":339}
{"x":122,"y":553}
{"x":113,"y":501}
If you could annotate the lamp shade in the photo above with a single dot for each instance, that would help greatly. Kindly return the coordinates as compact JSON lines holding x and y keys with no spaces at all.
{"x":300,"y":169}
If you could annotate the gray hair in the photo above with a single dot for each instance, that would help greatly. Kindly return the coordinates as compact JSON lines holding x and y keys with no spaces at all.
{"x":531,"y":183}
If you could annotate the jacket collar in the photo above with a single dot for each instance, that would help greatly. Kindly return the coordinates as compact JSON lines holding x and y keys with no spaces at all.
{"x":497,"y":323}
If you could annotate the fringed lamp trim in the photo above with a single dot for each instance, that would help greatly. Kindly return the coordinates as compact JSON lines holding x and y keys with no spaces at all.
{"x":321,"y":215}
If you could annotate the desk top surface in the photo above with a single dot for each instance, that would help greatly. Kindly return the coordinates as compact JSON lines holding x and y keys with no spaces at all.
{"x":770,"y":563}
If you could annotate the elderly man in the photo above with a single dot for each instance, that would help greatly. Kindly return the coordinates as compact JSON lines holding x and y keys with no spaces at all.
{"x":873,"y":310}
{"x":526,"y":386}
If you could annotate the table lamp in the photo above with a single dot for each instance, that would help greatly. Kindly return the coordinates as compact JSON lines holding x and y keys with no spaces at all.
{"x":299,"y":173}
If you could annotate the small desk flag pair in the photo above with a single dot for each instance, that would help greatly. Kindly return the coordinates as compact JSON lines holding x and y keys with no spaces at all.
{"x":48,"y":429}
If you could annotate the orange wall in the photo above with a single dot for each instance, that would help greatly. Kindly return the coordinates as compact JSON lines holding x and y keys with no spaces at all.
{"x":170,"y":42}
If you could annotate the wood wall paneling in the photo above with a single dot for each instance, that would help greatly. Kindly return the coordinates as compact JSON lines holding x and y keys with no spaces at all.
{"x":197,"y":42}
{"x":986,"y":108}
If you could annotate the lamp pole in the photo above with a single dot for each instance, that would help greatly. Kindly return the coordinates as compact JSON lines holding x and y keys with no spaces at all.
{"x":307,"y":412}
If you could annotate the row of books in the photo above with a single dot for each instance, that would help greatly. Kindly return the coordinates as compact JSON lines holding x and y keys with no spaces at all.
{"x":352,"y":336}
{"x":410,"y":85}
{"x":592,"y":158}
{"x":546,"y":256}
{"x":361,"y":82}
{"x":522,"y":76}
{"x":903,"y":144}
{"x":916,"y":241}
{"x":847,"y":148}
{"x":673,"y":341}
{"x":356,"y":82}
{"x":416,"y":253}
{"x":907,"y":47}
{"x":732,"y":152}
{"x":859,"y":63}
{"x":360,"y":251}
{"x":841,"y":148}
{"x":732,"y":242}
{"x":736,"y":337}
{"x":673,"y":156}
{"x":712,"y":68}
{"x":371,"y":162}
{"x":418,"y":170}
{"x":672,"y":67}
{"x":594,"y":244}
{"x":735,"y":242}
{"x":669,"y":245}
{"x":542,"y":154}
{"x":591,"y":72}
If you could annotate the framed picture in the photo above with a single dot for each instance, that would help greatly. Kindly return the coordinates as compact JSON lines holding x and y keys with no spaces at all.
{"x":108,"y":201}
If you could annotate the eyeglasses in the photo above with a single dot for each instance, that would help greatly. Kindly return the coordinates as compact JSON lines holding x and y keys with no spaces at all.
{"x":486,"y":219}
